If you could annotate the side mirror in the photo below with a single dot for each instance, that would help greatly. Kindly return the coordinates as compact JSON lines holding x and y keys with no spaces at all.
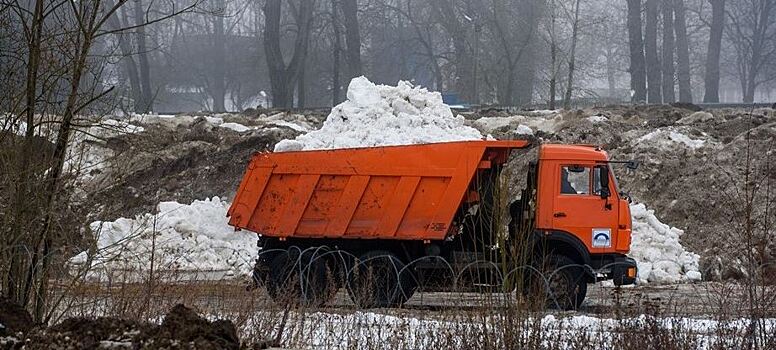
{"x":632,"y":164}
{"x":604,"y":181}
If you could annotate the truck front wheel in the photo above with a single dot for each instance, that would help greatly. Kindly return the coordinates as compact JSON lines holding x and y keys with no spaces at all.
{"x":562,"y":284}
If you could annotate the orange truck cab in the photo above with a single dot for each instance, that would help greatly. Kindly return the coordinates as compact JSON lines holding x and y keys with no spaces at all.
{"x":384,"y":222}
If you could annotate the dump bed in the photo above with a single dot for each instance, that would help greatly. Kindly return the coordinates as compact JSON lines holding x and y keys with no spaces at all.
{"x":392,"y":192}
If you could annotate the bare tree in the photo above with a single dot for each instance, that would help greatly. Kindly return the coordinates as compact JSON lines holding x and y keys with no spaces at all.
{"x":283,"y":77}
{"x":667,"y":7}
{"x":637,"y":64}
{"x":711,"y":79}
{"x":146,"y":103}
{"x":752,"y":31}
{"x":682,"y":52}
{"x":572,"y":57}
{"x":352,"y":37}
{"x":650,"y":47}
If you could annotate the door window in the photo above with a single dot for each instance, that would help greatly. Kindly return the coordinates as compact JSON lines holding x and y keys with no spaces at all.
{"x":574,"y":179}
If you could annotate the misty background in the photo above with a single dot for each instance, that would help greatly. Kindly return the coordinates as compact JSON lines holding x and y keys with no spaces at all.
{"x":219,"y":55}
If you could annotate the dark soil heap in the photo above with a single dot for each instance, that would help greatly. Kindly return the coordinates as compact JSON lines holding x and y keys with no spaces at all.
{"x":182,"y":328}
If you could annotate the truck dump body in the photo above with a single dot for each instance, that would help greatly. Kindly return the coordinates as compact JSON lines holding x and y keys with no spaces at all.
{"x":394,"y":192}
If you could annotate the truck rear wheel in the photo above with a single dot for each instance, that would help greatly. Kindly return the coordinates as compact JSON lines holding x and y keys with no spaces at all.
{"x":299,"y":280}
{"x":563,"y":284}
{"x":379,"y":280}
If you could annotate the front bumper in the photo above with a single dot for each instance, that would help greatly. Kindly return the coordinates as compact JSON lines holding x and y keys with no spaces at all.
{"x":624,"y":271}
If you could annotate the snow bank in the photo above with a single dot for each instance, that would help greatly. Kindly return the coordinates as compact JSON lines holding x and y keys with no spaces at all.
{"x":194,"y":237}
{"x":381,"y":115}
{"x":657,"y":250}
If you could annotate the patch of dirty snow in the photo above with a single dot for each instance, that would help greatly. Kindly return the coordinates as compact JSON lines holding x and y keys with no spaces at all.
{"x":381,"y":115}
{"x":544,"y":124}
{"x":522,"y":130}
{"x":697,"y":117}
{"x":489,"y":124}
{"x":656,"y":248}
{"x":293,"y":126}
{"x":597,"y":119}
{"x":214,"y":120}
{"x":667,"y":138}
{"x":181,"y":237}
{"x":235,"y":126}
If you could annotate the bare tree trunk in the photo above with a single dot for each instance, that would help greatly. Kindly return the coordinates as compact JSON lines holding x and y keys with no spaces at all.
{"x":335,"y":71}
{"x":553,"y":57}
{"x":668,"y":51}
{"x":146,"y":104}
{"x":301,"y":95}
{"x":130,"y":66}
{"x":462,"y":55}
{"x":711,"y":79}
{"x":637,"y":66}
{"x":22,"y":214}
{"x":352,"y":37}
{"x":572,"y":58}
{"x":283,"y":77}
{"x":218,"y":89}
{"x":682,"y":53}
{"x":650,"y":46}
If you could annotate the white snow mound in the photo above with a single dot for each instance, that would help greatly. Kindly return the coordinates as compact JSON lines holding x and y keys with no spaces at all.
{"x":660,"y":256}
{"x":193,"y":237}
{"x":381,"y":115}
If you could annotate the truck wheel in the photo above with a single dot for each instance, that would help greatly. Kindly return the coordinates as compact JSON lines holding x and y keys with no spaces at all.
{"x":375,"y":281}
{"x":563,"y":285}
{"x":298,"y":281}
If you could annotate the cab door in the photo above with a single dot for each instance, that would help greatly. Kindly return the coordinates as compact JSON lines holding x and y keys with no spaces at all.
{"x":579,"y":209}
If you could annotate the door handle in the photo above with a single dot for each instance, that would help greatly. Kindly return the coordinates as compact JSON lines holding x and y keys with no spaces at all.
{"x":559,"y":214}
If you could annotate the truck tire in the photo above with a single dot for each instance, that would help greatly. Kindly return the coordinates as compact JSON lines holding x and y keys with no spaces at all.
{"x":563,"y":284}
{"x":378,"y":280}
{"x":299,"y":281}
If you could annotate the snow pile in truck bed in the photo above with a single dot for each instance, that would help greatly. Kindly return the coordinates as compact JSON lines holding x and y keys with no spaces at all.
{"x":381,"y":115}
{"x":189,"y":238}
{"x":660,"y":256}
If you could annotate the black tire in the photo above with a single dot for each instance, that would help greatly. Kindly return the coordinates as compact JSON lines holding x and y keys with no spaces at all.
{"x":563,"y":284}
{"x":378,"y":280}
{"x":299,"y":281}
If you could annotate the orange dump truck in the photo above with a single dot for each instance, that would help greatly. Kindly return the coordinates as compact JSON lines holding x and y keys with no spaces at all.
{"x":384,"y":222}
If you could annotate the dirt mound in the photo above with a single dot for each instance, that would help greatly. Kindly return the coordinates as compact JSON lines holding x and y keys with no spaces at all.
{"x":183,"y":325}
{"x":182,"y":328}
{"x":192,"y":161}
{"x":13,"y":318}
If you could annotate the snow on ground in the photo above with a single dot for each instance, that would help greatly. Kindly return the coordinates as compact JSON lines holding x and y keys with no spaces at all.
{"x":186,"y":237}
{"x":235,"y":126}
{"x":597,"y":119}
{"x":381,"y":115}
{"x":668,"y":138}
{"x":660,"y":256}
{"x":377,"y":331}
